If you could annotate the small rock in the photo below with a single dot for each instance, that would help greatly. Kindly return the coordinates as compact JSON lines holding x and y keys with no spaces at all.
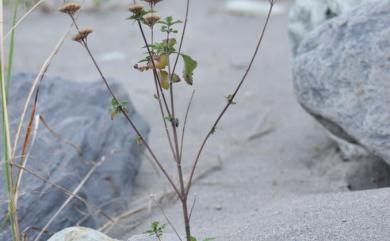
{"x":80,"y":234}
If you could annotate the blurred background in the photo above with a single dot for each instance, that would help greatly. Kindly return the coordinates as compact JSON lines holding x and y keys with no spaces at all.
{"x":266,"y":149}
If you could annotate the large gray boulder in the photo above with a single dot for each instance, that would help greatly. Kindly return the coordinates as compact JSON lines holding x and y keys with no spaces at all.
{"x":342,"y":77}
{"x":79,"y":113}
{"x":306,"y":15}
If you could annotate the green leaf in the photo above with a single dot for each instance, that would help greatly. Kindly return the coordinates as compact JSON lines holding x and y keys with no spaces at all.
{"x":169,"y":20}
{"x":164,"y":79}
{"x":230,"y":99}
{"x":138,"y":140}
{"x":118,"y":106}
{"x":176,"y":78}
{"x":156,"y":229}
{"x":193,"y":238}
{"x":189,"y":67}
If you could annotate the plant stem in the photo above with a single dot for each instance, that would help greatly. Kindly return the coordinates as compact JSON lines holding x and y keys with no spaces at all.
{"x":182,"y":36}
{"x":179,"y":160}
{"x":160,"y":104}
{"x":6,"y":137}
{"x":211,"y":131}
{"x":11,"y":46}
{"x":85,"y":45}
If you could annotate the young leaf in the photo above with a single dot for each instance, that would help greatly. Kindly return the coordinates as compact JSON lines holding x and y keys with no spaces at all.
{"x":189,"y":67}
{"x":117,"y":106}
{"x":176,"y":78}
{"x":156,"y":229}
{"x":164,"y":79}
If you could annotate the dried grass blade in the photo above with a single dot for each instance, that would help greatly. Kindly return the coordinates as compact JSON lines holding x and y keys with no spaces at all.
{"x":36,"y":82}
{"x":21,"y":19}
{"x":67,"y":201}
{"x":25,"y":154}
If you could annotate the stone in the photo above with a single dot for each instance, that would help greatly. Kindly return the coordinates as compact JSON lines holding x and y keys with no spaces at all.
{"x":252,"y":8}
{"x":79,"y":113}
{"x":146,"y":237}
{"x":342,"y":78}
{"x":306,"y":15}
{"x":80,"y":234}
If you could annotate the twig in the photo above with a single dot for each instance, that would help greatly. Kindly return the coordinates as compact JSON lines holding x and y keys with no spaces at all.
{"x":185,"y":124}
{"x":59,"y":137}
{"x":67,"y":201}
{"x":37,"y":82}
{"x":25,"y":157}
{"x":168,"y":220}
{"x":20,"y":20}
{"x":192,"y":207}
{"x":85,"y":45}
{"x":182,"y":36}
{"x":158,"y":197}
{"x":231,"y":99}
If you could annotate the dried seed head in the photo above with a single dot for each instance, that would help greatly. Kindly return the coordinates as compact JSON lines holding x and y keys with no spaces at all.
{"x":150,"y":19}
{"x":70,"y":8}
{"x":154,"y":2}
{"x":82,"y":34}
{"x":136,"y":8}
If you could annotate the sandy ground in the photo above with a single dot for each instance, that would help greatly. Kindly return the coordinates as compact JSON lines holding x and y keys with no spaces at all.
{"x":293,"y":160}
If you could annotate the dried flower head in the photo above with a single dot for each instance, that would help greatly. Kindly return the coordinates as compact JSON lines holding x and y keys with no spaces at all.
{"x":82,"y":34}
{"x":70,"y":8}
{"x":136,"y":8}
{"x":150,"y":19}
{"x":154,"y":2}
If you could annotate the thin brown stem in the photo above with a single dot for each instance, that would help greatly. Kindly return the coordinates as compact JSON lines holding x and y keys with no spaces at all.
{"x":231,"y":99}
{"x":182,"y":36}
{"x":62,"y":189}
{"x":169,"y":221}
{"x":125,"y":114}
{"x":185,"y":124}
{"x":156,"y":81}
{"x":154,"y":66}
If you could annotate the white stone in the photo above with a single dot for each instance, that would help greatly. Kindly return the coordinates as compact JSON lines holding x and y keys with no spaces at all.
{"x":80,"y":234}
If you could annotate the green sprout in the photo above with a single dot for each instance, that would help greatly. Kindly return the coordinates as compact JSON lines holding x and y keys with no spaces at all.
{"x":156,"y":229}
{"x":167,"y":24}
{"x":118,"y":106}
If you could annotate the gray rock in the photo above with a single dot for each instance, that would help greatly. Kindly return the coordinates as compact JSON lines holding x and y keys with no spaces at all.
{"x":341,"y":77}
{"x":79,"y":112}
{"x":146,"y":237}
{"x":80,"y":234}
{"x":306,"y":15}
